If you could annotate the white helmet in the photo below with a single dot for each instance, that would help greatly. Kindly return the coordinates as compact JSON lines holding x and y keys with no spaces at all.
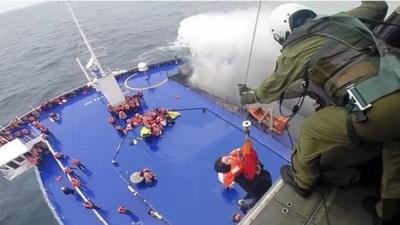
{"x":286,"y":17}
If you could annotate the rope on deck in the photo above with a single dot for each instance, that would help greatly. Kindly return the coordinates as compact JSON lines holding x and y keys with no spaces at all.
{"x":118,"y":149}
{"x":76,"y":188}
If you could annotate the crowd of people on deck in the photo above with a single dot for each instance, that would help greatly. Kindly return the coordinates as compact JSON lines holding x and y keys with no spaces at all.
{"x":153,"y":121}
{"x":121,"y":111}
{"x":35,"y":156}
{"x":19,"y":127}
{"x":132,"y":104}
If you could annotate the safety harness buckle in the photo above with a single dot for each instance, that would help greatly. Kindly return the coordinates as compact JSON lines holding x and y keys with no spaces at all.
{"x":356,"y":98}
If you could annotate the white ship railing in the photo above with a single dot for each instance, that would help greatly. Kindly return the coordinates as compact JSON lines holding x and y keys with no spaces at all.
{"x":260,"y":205}
{"x":78,"y":190}
{"x":46,"y":197}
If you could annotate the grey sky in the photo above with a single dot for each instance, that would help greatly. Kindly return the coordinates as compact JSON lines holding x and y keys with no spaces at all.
{"x":16,"y":4}
{"x":12,"y":5}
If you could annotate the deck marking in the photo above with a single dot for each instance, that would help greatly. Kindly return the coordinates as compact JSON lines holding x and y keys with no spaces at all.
{"x":87,"y":103}
{"x":93,"y":100}
{"x":144,"y":88}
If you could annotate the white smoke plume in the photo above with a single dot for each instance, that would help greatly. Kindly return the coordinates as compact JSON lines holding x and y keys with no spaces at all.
{"x":220,"y":43}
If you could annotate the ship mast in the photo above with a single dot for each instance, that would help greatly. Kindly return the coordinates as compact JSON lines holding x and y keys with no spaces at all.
{"x":93,"y":57}
{"x":103,"y":82}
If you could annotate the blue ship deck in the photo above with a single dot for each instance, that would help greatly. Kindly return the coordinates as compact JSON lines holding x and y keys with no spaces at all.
{"x":187,"y":191}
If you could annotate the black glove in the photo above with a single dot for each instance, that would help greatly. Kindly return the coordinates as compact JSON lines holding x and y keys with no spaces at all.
{"x":243,"y":88}
{"x":247,"y":96}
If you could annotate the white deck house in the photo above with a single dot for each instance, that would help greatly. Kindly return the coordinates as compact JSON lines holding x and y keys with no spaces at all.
{"x":13,"y":157}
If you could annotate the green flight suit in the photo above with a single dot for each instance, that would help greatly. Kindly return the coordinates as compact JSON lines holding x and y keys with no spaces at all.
{"x":326,"y":130}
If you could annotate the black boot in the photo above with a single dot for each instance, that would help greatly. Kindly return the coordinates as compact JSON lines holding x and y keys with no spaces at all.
{"x":287,"y":176}
{"x":369,"y":203}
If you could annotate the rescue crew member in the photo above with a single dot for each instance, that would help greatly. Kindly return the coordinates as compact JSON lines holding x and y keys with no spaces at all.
{"x":324,"y":63}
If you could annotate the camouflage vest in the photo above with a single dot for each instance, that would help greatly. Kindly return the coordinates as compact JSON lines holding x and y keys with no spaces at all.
{"x":349,"y":65}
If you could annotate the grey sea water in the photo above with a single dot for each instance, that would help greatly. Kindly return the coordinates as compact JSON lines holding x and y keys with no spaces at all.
{"x":38,"y":45}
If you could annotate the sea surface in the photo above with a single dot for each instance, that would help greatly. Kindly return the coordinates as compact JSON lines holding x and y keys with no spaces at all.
{"x":38,"y":45}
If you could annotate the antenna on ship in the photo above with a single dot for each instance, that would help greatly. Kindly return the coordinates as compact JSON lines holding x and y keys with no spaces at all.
{"x":96,"y":77}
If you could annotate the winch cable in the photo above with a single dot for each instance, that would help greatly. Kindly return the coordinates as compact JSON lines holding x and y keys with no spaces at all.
{"x":245,"y":114}
{"x":252,"y":42}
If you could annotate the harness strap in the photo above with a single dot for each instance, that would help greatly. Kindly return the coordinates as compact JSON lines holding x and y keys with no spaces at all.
{"x":343,"y":28}
{"x":386,"y":82}
{"x":351,"y":131}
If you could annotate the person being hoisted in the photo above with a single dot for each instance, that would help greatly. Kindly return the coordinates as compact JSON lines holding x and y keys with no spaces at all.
{"x":354,"y":77}
{"x":243,"y":167}
{"x":235,"y":167}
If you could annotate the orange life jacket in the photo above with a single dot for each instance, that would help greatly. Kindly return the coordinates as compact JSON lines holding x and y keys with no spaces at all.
{"x":76,"y":183}
{"x":244,"y":160}
{"x":250,"y":160}
{"x":236,"y":169}
{"x":67,"y":170}
{"x":88,"y":204}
